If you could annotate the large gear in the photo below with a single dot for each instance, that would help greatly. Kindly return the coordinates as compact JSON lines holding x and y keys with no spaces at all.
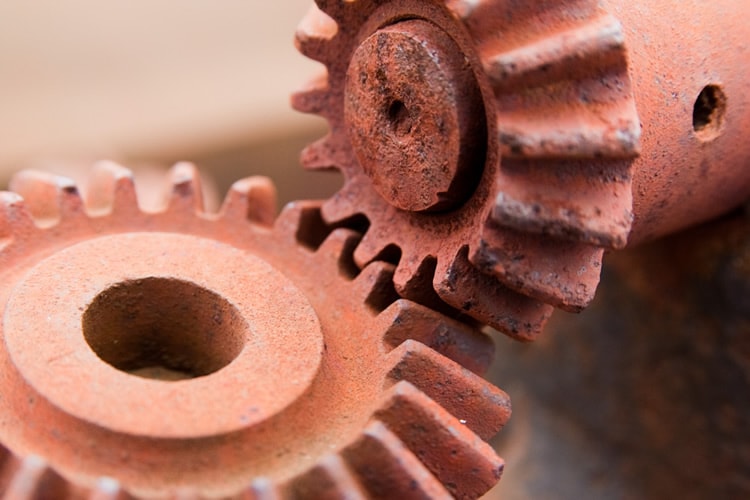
{"x":424,"y":98}
{"x":200,"y":355}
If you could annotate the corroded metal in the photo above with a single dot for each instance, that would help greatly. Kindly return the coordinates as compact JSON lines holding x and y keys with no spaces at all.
{"x":595,"y":124}
{"x":192,"y":355}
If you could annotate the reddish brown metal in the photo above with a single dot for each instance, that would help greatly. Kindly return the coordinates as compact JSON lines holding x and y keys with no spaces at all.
{"x":194,"y":355}
{"x":595,"y":124}
{"x":434,"y":137}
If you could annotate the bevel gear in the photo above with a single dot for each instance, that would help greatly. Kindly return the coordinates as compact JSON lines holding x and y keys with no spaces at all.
{"x":489,"y":142}
{"x":191,"y":355}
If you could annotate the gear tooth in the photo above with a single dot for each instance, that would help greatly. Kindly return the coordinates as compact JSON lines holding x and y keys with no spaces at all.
{"x":339,"y":246}
{"x":331,"y":478}
{"x":597,"y":214}
{"x":411,"y":272}
{"x":107,"y":488}
{"x":464,"y":463}
{"x":15,"y":217}
{"x":320,"y":155}
{"x":464,"y":287}
{"x":339,"y":209}
{"x":49,"y":198}
{"x":253,"y":199}
{"x":405,"y":320}
{"x":387,"y":469}
{"x":301,"y":222}
{"x":262,"y":489}
{"x":484,"y":408}
{"x":369,"y":249}
{"x":414,"y":282}
{"x":34,"y":479}
{"x":314,"y":98}
{"x":186,"y":194}
{"x":375,"y":284}
{"x":110,"y":188}
{"x":314,"y":33}
{"x":562,"y":273}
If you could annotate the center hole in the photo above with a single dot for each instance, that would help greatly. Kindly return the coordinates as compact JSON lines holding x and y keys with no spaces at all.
{"x":399,"y":118}
{"x":164,"y":329}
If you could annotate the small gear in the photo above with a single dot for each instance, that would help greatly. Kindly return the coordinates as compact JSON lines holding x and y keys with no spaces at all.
{"x":488,"y":143}
{"x":192,"y":355}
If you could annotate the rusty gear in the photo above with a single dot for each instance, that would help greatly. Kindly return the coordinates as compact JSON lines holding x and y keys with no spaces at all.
{"x":282,"y":369}
{"x":496,"y":144}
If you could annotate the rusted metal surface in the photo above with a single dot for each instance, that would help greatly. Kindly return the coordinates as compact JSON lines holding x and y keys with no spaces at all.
{"x":194,"y":355}
{"x":595,"y":124}
{"x":644,"y":395}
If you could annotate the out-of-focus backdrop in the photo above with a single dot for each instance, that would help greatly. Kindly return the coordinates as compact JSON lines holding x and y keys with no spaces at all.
{"x":151,"y":83}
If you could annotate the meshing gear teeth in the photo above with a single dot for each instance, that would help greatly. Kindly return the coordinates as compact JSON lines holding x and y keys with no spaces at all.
{"x":182,"y":354}
{"x":488,"y":143}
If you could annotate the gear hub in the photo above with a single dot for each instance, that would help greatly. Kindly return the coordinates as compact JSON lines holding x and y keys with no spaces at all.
{"x":202,"y":355}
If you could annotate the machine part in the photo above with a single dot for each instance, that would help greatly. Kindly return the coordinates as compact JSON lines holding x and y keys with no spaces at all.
{"x":505,"y":139}
{"x":183,"y":354}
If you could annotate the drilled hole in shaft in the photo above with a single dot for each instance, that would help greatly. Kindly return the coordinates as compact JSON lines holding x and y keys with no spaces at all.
{"x":399,"y":117}
{"x":163,"y":329}
{"x":708,"y":112}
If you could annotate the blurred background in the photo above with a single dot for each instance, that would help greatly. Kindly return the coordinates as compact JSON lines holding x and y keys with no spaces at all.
{"x":644,"y":395}
{"x":151,"y":83}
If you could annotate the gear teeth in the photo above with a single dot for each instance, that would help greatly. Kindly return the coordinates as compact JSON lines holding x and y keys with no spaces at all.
{"x":562,"y":273}
{"x":331,"y":479}
{"x":464,"y":287}
{"x":186,"y":195}
{"x":482,"y":407}
{"x":314,"y":33}
{"x":405,"y":320}
{"x":35,"y":480}
{"x":15,"y":217}
{"x":314,"y":97}
{"x":262,"y":489}
{"x":466,"y":465}
{"x":252,"y":199}
{"x":108,"y":489}
{"x":49,"y":198}
{"x":110,"y":188}
{"x":387,"y":469}
{"x":564,"y":122}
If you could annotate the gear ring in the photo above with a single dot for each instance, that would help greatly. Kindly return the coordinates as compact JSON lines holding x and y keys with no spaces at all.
{"x":548,"y":84}
{"x":373,"y":396}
